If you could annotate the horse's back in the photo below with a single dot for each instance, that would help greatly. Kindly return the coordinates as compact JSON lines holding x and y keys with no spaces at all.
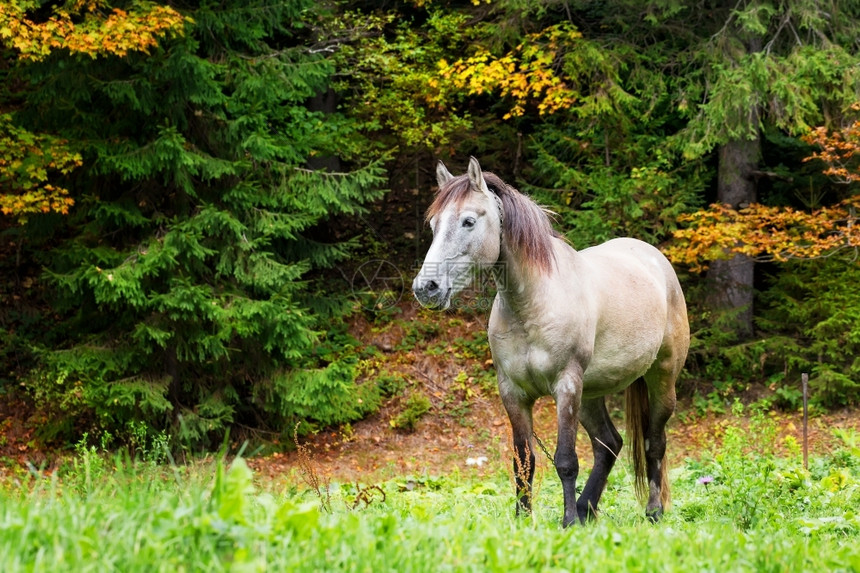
{"x":627,"y":266}
{"x":626,"y":252}
{"x":642,"y":313}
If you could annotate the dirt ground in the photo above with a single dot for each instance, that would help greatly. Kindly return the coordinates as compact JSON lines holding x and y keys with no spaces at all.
{"x":438,"y":447}
{"x":460,"y":429}
{"x":442,"y":443}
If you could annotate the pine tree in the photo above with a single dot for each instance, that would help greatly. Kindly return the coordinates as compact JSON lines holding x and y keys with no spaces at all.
{"x":181,"y":278}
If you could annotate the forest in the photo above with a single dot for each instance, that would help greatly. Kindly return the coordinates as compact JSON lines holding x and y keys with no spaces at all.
{"x":190,"y":189}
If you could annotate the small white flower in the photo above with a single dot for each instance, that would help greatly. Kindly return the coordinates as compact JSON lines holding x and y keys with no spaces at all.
{"x":479,"y":461}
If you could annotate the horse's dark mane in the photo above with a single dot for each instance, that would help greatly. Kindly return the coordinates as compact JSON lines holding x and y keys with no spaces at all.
{"x":526,"y":227}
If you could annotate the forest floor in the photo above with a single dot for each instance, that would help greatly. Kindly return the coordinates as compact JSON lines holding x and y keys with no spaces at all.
{"x":448,"y":362}
{"x":438,"y":446}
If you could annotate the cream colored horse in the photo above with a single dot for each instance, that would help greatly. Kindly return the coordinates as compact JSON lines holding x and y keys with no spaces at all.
{"x":574,"y":325}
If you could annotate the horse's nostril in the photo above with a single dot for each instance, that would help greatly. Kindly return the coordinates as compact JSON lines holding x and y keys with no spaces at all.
{"x":432,"y":286}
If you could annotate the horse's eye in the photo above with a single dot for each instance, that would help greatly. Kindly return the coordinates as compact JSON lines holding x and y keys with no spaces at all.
{"x":469,"y":222}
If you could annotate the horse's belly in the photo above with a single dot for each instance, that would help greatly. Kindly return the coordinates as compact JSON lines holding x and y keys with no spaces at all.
{"x":535,"y":369}
{"x":609,"y":374}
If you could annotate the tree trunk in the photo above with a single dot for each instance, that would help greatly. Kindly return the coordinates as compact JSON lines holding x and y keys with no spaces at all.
{"x":326,"y":102}
{"x":731,"y":281}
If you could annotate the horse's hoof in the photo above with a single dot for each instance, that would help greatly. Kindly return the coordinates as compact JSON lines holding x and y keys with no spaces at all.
{"x":654,"y":515}
{"x":565,"y":523}
{"x":587,"y":514}
{"x":576,"y":519}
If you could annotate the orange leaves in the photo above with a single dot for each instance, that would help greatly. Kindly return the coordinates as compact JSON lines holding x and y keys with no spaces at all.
{"x":776,"y":233}
{"x":840,"y":150}
{"x":527,"y":73}
{"x":85,"y":29}
{"x":764,"y":233}
{"x":27,"y":161}
{"x":44,"y":200}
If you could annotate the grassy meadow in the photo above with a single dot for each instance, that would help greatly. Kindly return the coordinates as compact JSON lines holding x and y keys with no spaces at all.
{"x":743,"y":509}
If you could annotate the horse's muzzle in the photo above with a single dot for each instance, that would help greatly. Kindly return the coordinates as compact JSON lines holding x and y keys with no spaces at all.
{"x":430,"y":294}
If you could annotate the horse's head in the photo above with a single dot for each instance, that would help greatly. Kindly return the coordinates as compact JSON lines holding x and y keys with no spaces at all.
{"x":466,"y":220}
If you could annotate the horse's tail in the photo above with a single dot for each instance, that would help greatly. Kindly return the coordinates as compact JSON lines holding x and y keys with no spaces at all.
{"x":637,"y":414}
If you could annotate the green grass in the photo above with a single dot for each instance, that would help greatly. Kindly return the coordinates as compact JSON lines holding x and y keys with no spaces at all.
{"x":760,"y":513}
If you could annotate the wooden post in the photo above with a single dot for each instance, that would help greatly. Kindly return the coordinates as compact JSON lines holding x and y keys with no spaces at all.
{"x":804,"y":378}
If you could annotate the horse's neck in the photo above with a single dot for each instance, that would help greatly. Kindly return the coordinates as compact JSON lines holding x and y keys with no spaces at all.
{"x":520,"y":286}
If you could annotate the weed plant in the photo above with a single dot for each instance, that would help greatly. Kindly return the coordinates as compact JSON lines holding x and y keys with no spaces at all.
{"x":739,"y":508}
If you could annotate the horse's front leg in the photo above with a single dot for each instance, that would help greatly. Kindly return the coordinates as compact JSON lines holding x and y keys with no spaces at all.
{"x":606,"y":444}
{"x":519,"y":409}
{"x":568,"y":396}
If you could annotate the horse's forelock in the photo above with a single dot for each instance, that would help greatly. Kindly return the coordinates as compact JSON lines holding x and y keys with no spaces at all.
{"x":454,"y":191}
{"x":526,"y":226}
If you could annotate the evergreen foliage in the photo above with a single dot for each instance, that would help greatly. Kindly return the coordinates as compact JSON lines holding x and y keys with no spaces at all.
{"x":172,"y":197}
{"x":183,"y":297}
{"x":815,"y":329}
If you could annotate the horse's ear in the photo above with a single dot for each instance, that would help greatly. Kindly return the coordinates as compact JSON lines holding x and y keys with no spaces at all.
{"x":476,"y":176}
{"x":442,"y":174}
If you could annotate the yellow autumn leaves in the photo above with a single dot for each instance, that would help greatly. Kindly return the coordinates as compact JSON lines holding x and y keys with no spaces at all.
{"x":28,"y":161}
{"x":527,"y":74}
{"x":88,"y":27}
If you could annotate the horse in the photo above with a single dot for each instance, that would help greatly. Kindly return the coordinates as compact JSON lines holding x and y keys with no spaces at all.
{"x":574,"y":325}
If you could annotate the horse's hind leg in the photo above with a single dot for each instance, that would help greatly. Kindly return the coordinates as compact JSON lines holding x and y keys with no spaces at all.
{"x":519,"y":411}
{"x":661,"y":405}
{"x":606,"y":443}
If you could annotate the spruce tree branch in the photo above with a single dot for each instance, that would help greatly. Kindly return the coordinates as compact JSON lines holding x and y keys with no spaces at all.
{"x":796,"y":35}
{"x":782,"y":23}
{"x":320,"y":172}
{"x":728,"y":20}
{"x":756,"y":173}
